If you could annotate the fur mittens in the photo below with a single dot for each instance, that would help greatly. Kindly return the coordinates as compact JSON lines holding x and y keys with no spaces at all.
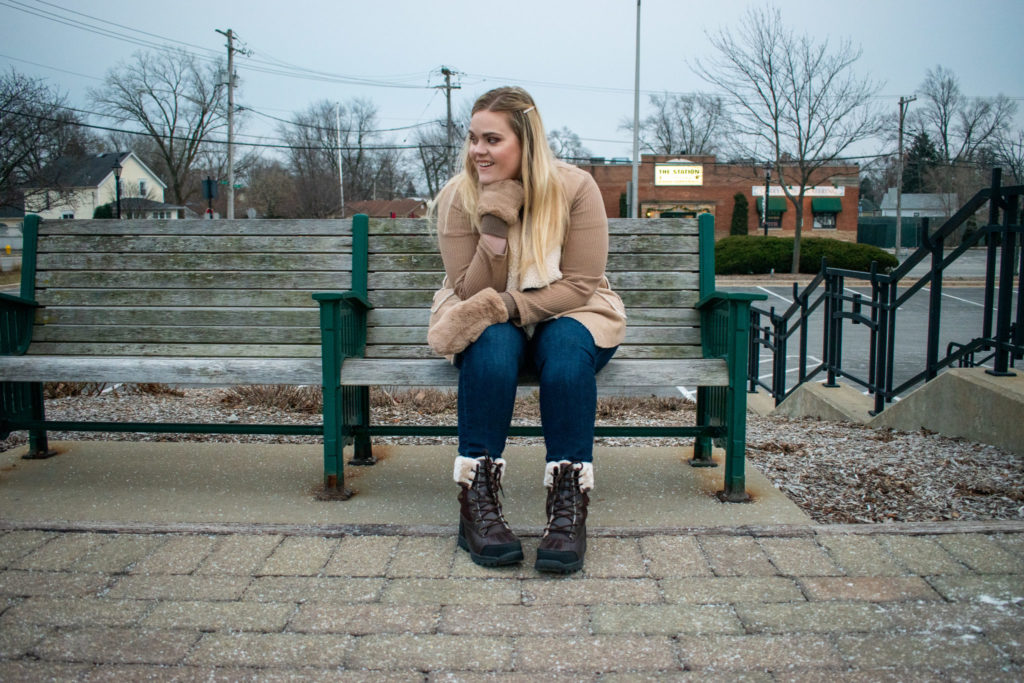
{"x":502,"y":199}
{"x":463,"y":323}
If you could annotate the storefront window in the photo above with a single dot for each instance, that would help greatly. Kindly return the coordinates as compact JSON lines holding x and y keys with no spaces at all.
{"x":825,"y":221}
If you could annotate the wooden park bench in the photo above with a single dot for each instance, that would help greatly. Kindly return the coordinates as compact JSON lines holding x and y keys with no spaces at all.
{"x":196,"y":302}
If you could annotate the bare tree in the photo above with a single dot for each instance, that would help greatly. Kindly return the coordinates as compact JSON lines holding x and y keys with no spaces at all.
{"x":793,"y":100}
{"x":566,"y":145}
{"x":271,"y":189}
{"x":683,"y":124}
{"x":35,"y":130}
{"x":961,"y":126}
{"x":1008,"y":152}
{"x":313,"y":138}
{"x":434,"y":155}
{"x":177,"y":100}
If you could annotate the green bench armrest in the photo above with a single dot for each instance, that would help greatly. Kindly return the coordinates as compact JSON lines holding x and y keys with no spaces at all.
{"x":717,"y":297}
{"x":17,"y":316}
{"x":349,"y":296}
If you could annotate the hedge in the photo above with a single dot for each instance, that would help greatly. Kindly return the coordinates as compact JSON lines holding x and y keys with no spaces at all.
{"x":752,"y":254}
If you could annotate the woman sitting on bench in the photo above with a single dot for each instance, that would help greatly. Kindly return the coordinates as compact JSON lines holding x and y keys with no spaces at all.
{"x":524,"y":240}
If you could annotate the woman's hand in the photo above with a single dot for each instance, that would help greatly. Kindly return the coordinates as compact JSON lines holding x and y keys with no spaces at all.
{"x":463,"y":323}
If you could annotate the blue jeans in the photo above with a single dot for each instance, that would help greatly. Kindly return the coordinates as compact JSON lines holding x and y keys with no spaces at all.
{"x":564,"y":356}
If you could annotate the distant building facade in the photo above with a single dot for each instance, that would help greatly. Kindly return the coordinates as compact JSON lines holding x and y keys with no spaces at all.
{"x":920,"y":205}
{"x":694,"y":184}
{"x":76,"y":186}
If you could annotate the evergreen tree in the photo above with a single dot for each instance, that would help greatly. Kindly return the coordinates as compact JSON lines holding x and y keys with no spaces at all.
{"x":922,"y":157}
{"x":740,"y":213}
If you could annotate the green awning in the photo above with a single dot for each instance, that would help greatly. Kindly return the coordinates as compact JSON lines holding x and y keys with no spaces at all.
{"x":826,"y":204}
{"x":775,"y":204}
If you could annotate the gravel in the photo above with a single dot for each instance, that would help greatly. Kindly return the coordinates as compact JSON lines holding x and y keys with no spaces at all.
{"x":836,"y":472}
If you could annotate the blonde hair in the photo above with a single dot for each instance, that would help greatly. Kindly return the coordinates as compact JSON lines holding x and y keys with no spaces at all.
{"x":545,"y":208}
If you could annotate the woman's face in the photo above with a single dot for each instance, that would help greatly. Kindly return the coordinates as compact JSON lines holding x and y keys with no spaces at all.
{"x":493,"y":147}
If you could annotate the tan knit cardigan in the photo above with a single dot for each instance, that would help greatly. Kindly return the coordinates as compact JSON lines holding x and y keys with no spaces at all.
{"x":582,"y":292}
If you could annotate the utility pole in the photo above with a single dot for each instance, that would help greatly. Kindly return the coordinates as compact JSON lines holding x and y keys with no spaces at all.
{"x":230,"y":35}
{"x":904,"y":105}
{"x":634,"y":200}
{"x":448,"y":87}
{"x":341,"y":174}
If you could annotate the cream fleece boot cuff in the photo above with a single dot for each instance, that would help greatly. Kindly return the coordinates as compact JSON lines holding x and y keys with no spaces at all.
{"x":586,"y":470}
{"x":465,"y":468}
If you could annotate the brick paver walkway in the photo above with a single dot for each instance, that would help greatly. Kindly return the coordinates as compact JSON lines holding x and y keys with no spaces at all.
{"x":809,"y":606}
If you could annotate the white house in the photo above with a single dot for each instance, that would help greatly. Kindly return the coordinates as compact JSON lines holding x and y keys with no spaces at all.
{"x":920,"y":205}
{"x":77,"y":186}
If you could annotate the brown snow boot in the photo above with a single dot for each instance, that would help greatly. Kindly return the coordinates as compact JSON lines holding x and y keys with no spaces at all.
{"x":564,"y":542}
{"x":483,"y":531}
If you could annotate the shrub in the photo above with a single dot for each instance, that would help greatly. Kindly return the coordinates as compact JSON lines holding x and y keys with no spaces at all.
{"x":752,"y":254}
{"x":103,"y":211}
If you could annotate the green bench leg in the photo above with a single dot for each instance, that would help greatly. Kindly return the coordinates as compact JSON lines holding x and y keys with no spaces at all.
{"x":702,"y":444}
{"x":362,"y":450}
{"x":735,"y":490}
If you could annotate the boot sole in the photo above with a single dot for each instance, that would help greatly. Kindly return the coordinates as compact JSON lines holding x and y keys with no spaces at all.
{"x":511,"y":557}
{"x":555,"y":567}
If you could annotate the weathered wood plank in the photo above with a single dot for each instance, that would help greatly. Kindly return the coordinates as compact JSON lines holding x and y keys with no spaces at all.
{"x":219,"y":371}
{"x":628,"y":244}
{"x":177,"y":334}
{"x":107,"y":350}
{"x":662,"y":351}
{"x":165,"y":244}
{"x":393,"y":298}
{"x":618,"y":372}
{"x":400,"y":317}
{"x":266,"y":226}
{"x":205,"y":298}
{"x":634,"y":335}
{"x":616,"y":226}
{"x":143,"y":317}
{"x":180,"y":279}
{"x":196,"y":262}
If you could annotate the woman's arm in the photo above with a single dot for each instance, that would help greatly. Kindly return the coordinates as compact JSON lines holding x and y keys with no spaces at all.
{"x":584,"y":257}
{"x":472,"y":264}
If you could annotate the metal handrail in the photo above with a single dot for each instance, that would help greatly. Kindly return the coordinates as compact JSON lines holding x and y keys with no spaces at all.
{"x":1002,"y":332}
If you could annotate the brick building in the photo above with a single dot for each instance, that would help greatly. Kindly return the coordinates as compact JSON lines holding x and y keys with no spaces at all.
{"x":699,"y":184}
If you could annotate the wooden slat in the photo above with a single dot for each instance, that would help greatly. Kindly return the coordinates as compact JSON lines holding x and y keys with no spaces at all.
{"x":163,"y":244}
{"x":690,"y":373}
{"x":616,"y":226}
{"x":638,"y":317}
{"x":628,"y":244}
{"x":178,"y":297}
{"x":218,"y":371}
{"x":108,"y":350}
{"x":634,"y":335}
{"x":177,"y":334}
{"x":135,"y":280}
{"x":265,"y":226}
{"x":661,"y":351}
{"x":142,"y":317}
{"x":341,"y":261}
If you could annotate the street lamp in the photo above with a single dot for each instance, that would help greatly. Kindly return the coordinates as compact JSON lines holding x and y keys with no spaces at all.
{"x":764,"y":212}
{"x":117,"y":186}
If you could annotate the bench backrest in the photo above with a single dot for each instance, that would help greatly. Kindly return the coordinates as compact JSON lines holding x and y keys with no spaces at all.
{"x":198,"y":288}
{"x":244,"y":288}
{"x":652,"y":264}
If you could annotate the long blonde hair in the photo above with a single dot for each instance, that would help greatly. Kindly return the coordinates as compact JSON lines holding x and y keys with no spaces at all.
{"x":545,"y":208}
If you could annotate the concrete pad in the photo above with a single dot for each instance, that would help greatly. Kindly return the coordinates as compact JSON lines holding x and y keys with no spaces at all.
{"x":964,"y":402}
{"x":842,"y":403}
{"x":760,"y":403}
{"x":148,"y":482}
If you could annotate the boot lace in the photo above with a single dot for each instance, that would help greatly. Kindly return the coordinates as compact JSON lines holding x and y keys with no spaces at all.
{"x":563,"y":505}
{"x":486,"y":487}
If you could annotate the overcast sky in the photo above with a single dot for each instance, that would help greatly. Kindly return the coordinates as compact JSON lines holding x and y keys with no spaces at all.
{"x":575,"y":56}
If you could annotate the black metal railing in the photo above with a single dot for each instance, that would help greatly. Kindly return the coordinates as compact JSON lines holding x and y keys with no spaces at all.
{"x":997,"y":345}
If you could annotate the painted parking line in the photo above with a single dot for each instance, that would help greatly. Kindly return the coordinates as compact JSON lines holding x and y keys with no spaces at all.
{"x":768,"y":291}
{"x":966,"y":301}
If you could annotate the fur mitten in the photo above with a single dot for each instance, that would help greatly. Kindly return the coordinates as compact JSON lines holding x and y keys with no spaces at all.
{"x":502,"y":199}
{"x":464,"y":322}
